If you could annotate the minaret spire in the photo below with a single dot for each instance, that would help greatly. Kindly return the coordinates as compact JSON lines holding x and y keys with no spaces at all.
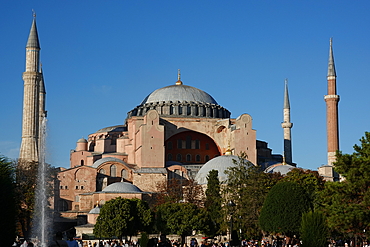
{"x":32,"y":78}
{"x":331,"y":66}
{"x":332,"y":100}
{"x":33,"y":38}
{"x":287,"y":125}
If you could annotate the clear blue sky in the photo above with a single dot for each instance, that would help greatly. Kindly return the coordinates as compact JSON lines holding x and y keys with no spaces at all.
{"x":101,"y":58}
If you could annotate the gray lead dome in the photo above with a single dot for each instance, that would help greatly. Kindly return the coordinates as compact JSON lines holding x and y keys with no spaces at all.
{"x":122,"y":187}
{"x":180,"y":101}
{"x":180,"y":93}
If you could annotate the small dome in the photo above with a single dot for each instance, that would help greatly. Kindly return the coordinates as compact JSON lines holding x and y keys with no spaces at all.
{"x":180,"y":93}
{"x":221,"y":164}
{"x":82,"y":140}
{"x":122,"y":187}
{"x":95,"y":210}
{"x":281,"y":168}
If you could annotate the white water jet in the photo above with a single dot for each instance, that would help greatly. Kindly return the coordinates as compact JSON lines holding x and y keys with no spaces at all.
{"x":42,"y":219}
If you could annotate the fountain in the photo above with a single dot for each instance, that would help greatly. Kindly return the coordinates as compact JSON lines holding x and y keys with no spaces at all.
{"x":42,"y":219}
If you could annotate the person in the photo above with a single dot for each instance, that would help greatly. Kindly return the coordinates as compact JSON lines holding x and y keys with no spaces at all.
{"x":58,"y":242}
{"x":163,"y":241}
{"x":71,"y":242}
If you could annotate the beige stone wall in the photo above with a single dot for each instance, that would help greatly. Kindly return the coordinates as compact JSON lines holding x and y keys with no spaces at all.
{"x":79,"y":158}
{"x":75,"y":181}
{"x":148,"y":182}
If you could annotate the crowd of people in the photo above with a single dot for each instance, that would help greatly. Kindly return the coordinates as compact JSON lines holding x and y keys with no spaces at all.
{"x":162,"y":241}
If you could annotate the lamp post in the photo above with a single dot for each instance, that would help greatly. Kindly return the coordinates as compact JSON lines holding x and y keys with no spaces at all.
{"x":231,"y":205}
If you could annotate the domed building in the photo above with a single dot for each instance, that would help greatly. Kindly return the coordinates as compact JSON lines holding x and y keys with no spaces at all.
{"x":174,"y":132}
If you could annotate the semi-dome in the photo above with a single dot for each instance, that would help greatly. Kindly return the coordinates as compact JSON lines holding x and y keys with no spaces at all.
{"x":107,"y":159}
{"x":117,"y":128}
{"x":221,"y":164}
{"x":180,"y":101}
{"x":283,"y":169}
{"x":122,"y":187}
{"x":179,"y":93}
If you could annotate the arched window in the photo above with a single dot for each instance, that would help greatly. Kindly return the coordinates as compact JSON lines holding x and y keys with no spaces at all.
{"x":188,"y":157}
{"x":102,"y":171}
{"x":207,"y":158}
{"x":197,"y":158}
{"x":169,"y":157}
{"x":82,"y":162}
{"x":179,"y":143}
{"x":113,"y":171}
{"x":169,"y":145}
{"x":124,"y":173}
{"x":178,"y":157}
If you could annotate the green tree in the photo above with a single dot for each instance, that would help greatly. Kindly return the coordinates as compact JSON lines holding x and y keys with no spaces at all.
{"x":26,"y":178}
{"x":7,"y":206}
{"x":213,"y":202}
{"x":180,"y":218}
{"x":179,"y":190}
{"x":314,"y":231}
{"x":247,"y":187}
{"x":346,"y":204}
{"x":311,"y":181}
{"x":283,"y":208}
{"x":121,"y":217}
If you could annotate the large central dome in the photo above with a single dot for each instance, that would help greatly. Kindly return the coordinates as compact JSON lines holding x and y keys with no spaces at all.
{"x":179,"y":93}
{"x":180,"y":101}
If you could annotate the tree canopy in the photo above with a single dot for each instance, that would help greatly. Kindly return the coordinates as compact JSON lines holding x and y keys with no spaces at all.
{"x":26,"y":179}
{"x":121,"y":217}
{"x":180,"y":218}
{"x":247,"y":187}
{"x":213,"y":202}
{"x":311,"y":181}
{"x":7,"y":206}
{"x":346,"y":204}
{"x":283,"y":208}
{"x":314,"y":230}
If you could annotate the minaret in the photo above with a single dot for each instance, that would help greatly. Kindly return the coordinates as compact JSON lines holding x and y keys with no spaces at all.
{"x":287,"y":125}
{"x":332,"y":100}
{"x":31,"y":98}
{"x":42,"y":102}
